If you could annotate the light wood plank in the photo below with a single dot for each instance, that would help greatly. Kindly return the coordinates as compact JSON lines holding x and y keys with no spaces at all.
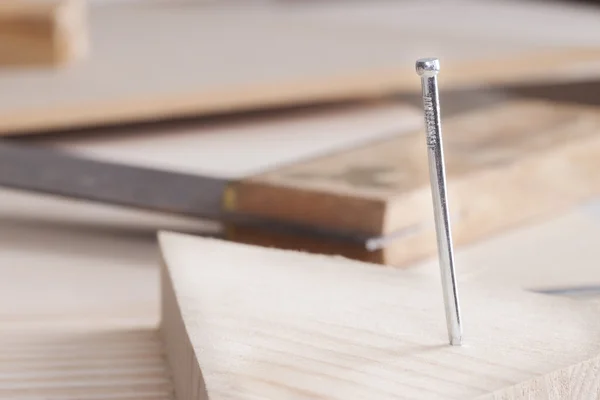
{"x":42,"y":33}
{"x":79,"y":310}
{"x":265,"y":56}
{"x":253,"y":144}
{"x":508,"y":164}
{"x":243,"y":322}
{"x":46,"y":266}
{"x":83,"y":364}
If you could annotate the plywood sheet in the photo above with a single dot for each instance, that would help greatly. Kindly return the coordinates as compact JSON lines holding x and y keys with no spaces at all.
{"x":170,"y":59}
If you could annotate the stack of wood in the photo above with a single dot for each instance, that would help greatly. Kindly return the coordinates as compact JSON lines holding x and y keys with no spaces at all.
{"x":247,"y":321}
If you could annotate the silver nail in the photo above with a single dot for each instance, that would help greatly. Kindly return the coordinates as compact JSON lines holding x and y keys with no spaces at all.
{"x":427,"y":69}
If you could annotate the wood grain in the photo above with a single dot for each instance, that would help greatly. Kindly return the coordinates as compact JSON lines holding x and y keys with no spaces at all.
{"x":94,"y":291}
{"x":83,"y":364}
{"x":79,"y":311}
{"x":138,"y":72}
{"x":244,"y":322}
{"x":96,"y":288}
{"x":511,"y":163}
{"x":42,"y":33}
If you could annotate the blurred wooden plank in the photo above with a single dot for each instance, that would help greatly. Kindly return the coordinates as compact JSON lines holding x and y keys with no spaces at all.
{"x":249,"y":322}
{"x":84,"y":364}
{"x":93,"y":292}
{"x":79,"y":310}
{"x":515,"y":144}
{"x":39,"y":33}
{"x":507,"y":164}
{"x":253,"y":144}
{"x":264,"y":57}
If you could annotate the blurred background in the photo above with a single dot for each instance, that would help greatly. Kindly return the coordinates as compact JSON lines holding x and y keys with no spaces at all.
{"x":294,"y":124}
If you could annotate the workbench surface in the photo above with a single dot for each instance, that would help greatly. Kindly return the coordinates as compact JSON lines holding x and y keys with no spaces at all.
{"x":83,"y":270}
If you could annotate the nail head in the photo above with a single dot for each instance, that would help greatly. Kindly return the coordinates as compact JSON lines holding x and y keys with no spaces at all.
{"x":427,"y":67}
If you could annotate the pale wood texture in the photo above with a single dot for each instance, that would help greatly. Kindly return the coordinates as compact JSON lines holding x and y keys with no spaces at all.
{"x":79,"y":311}
{"x":244,"y":322}
{"x":265,"y":56}
{"x":560,"y":252}
{"x":97,"y":287}
{"x":254,"y":143}
{"x":102,"y":278}
{"x":506,"y":164}
{"x":42,"y":33}
{"x":83,"y":364}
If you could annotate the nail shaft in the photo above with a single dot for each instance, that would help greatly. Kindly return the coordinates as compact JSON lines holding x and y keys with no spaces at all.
{"x":428,"y":69}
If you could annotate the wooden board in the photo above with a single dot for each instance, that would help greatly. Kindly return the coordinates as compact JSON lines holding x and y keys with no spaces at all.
{"x":88,"y":271}
{"x":508,"y":164}
{"x":197,"y":147}
{"x":253,"y":141}
{"x":57,"y":277}
{"x":83,"y":364}
{"x":324,"y":136}
{"x":244,"y":322}
{"x":265,"y":56}
{"x":79,"y":310}
{"x":42,"y":33}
